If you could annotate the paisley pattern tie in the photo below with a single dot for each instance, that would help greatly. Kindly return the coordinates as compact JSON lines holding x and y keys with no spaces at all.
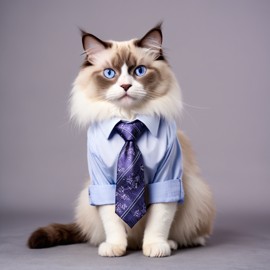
{"x":130,"y":204}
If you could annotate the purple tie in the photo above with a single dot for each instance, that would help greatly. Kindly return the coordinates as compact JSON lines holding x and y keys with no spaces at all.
{"x":130,"y":188}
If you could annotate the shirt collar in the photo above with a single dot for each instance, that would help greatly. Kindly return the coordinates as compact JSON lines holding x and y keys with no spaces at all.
{"x":151,"y":122}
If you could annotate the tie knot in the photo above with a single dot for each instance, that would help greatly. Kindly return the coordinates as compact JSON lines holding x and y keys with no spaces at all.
{"x":130,"y":131}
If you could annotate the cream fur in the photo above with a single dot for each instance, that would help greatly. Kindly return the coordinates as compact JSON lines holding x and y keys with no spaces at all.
{"x":165,"y":226}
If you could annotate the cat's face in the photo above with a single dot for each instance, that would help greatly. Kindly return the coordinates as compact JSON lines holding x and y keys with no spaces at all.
{"x":123,"y":79}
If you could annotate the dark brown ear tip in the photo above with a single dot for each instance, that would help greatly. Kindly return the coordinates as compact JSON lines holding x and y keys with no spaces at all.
{"x":159,"y":26}
{"x":141,"y":42}
{"x":82,"y":32}
{"x":84,"y":35}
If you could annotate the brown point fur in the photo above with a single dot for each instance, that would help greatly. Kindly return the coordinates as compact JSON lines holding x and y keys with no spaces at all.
{"x":102,"y":83}
{"x":123,"y":56}
{"x":55,"y":234}
{"x":151,"y":80}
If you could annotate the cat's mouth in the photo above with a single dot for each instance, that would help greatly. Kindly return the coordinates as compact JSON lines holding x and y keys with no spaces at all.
{"x":126,"y":97}
{"x":127,"y":100}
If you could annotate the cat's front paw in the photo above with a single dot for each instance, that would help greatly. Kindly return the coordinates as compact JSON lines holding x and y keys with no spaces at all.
{"x":159,"y":249}
{"x":111,"y":250}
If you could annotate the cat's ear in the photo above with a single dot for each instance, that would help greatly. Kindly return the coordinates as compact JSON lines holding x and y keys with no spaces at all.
{"x":93,"y":45}
{"x":152,"y":41}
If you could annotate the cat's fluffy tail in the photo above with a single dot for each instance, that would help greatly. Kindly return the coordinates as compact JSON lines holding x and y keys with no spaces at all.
{"x":54,"y":235}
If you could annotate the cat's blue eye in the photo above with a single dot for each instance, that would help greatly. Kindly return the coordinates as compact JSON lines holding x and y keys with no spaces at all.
{"x":109,"y":73}
{"x":140,"y":71}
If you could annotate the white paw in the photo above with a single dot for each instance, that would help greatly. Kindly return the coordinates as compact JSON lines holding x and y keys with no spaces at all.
{"x":160,"y":249}
{"x":173,"y":244}
{"x":111,"y":250}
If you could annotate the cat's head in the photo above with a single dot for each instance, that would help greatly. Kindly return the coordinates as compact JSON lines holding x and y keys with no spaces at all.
{"x":123,"y":79}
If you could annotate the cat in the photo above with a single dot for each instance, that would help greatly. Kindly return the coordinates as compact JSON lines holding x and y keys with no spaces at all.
{"x":124,"y":80}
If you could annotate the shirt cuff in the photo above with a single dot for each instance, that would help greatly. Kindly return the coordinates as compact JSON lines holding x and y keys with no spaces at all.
{"x":160,"y":192}
{"x":102,"y":194}
{"x":167,"y":191}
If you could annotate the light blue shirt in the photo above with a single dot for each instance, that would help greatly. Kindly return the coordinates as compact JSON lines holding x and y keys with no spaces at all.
{"x":161,"y":151}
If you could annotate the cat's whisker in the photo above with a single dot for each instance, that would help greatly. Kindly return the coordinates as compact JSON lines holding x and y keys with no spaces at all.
{"x":190,"y":116}
{"x":195,"y":107}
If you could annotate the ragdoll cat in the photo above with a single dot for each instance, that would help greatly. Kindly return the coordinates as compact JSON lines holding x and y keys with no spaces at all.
{"x":128,"y":81}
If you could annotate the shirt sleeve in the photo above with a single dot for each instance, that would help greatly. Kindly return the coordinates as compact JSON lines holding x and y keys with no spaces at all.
{"x":167,"y":183}
{"x":102,"y":186}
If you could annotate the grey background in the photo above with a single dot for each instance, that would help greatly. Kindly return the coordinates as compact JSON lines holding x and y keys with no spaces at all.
{"x":219,"y":51}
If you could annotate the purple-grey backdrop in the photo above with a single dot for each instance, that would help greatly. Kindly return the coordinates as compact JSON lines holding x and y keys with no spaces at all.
{"x":219,"y":51}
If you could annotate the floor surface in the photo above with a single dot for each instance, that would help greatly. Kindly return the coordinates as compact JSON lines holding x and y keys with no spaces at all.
{"x":240,"y":241}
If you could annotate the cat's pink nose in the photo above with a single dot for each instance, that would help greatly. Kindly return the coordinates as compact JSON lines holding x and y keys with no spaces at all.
{"x":126,"y":86}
